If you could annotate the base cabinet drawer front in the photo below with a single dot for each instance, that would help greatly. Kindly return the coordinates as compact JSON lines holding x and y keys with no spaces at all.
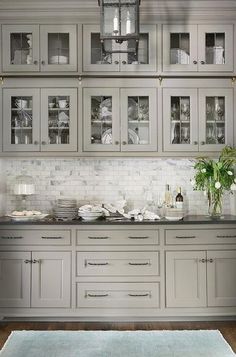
{"x":186,"y":279}
{"x":117,"y":237}
{"x":15,"y":275}
{"x":221,"y":278}
{"x":118,"y":295}
{"x":117,"y":263}
{"x":200,"y":236}
{"x":35,"y":237}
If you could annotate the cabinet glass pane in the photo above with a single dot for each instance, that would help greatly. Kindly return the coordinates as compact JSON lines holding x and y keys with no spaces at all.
{"x":58,"y":120}
{"x":215,"y":120}
{"x":138,"y":120}
{"x":180,"y":120}
{"x":21,"y":48}
{"x":97,"y":55}
{"x":101,"y":120}
{"x":179,"y":48}
{"x":142,"y":56}
{"x":215,"y":48}
{"x":21,"y":120}
{"x":58,"y":48}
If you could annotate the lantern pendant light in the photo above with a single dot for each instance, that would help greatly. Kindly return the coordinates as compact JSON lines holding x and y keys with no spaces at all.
{"x":119,"y":23}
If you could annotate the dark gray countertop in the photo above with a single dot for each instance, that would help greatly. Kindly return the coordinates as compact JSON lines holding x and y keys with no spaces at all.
{"x":226,"y":219}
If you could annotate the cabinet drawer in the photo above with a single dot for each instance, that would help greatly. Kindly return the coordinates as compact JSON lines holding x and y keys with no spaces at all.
{"x":117,"y":263}
{"x":117,"y":237}
{"x":118,"y":295}
{"x":200,"y":236}
{"x":34,"y":237}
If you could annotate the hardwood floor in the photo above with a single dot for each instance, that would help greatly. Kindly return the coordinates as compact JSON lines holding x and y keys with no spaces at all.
{"x":228,"y":329}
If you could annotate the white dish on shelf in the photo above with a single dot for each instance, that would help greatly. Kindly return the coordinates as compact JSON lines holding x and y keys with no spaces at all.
{"x":170,"y":218}
{"x":27,"y":218}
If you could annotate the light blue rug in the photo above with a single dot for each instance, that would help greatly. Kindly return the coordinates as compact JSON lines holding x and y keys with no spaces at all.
{"x":116,"y":344}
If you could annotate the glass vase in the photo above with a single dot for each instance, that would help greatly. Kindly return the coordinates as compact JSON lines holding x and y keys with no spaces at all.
{"x":215,"y":204}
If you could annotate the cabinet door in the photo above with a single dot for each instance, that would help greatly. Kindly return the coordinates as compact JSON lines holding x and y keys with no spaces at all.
{"x":51,"y":279}
{"x":145,"y":59}
{"x":215,"y":48}
{"x":180,"y":48}
{"x":94,"y":58}
{"x":215,"y":118}
{"x":21,"y":48}
{"x":59,"y":119}
{"x":185,"y":279}
{"x":15,"y":279}
{"x":101,"y":119}
{"x":221,"y":281}
{"x":139,"y":119}
{"x":21,"y":115}
{"x":180,"y":121}
{"x":58,"y":48}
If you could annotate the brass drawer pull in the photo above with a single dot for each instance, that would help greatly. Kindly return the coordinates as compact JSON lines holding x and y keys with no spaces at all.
{"x":139,"y":263}
{"x":105,"y":237}
{"x":52,"y":237}
{"x":133,"y":237}
{"x":185,"y":237}
{"x":139,"y":295}
{"x":11,"y":237}
{"x":96,"y":264}
{"x":234,"y":236}
{"x":96,"y":295}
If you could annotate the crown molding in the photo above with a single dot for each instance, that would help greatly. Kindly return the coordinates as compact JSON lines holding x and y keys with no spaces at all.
{"x":88,"y":10}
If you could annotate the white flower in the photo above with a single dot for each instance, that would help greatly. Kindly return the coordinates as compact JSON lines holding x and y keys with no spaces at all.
{"x":203,"y":171}
{"x":233,"y":187}
{"x":193,"y":182}
{"x":217,"y":185}
{"x":230,"y":173}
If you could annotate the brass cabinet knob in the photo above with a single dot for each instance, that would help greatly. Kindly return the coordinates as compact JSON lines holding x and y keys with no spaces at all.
{"x":124,"y":142}
{"x":194,"y":62}
{"x":202,"y":260}
{"x":124,"y":62}
{"x":202,"y":62}
{"x":116,"y":62}
{"x":116,"y":142}
{"x":36,"y":142}
{"x":43,"y":142}
{"x":35,"y":62}
{"x":43,"y":63}
{"x":195,"y":143}
{"x":202,"y":142}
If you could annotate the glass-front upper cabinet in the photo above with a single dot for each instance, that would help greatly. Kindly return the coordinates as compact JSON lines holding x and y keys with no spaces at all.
{"x":21,"y":120}
{"x":203,"y":48}
{"x":215,"y":47}
{"x":101,"y":119}
{"x":21,"y":48}
{"x":180,"y":48}
{"x":215,"y":118}
{"x":97,"y":60}
{"x":180,"y":122}
{"x":34,"y":48}
{"x":59,"y":119}
{"x":138,"y":119}
{"x":58,"y":48}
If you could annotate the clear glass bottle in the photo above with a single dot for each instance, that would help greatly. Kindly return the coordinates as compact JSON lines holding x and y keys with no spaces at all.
{"x":168,"y":196}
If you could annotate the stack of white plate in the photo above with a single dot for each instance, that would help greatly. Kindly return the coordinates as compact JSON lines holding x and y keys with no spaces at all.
{"x":58,"y":60}
{"x":66,"y":209}
{"x":90,"y":212}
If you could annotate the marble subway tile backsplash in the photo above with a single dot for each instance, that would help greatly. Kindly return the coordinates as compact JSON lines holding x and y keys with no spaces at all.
{"x":139,"y":181}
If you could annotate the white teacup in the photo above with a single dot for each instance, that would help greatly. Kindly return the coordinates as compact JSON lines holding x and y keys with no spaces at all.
{"x":51,"y":105}
{"x":62,"y":104}
{"x":21,"y":103}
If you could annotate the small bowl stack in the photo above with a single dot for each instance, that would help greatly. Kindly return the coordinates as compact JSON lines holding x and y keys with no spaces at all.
{"x":90,"y":212}
{"x":66,"y":209}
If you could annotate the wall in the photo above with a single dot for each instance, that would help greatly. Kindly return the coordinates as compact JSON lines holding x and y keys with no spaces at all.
{"x":105,"y":180}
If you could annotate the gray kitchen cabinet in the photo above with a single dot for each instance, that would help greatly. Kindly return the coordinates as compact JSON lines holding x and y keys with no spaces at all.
{"x":110,"y":126}
{"x":95,"y":60}
{"x":37,"y":279}
{"x":200,"y":279}
{"x":22,"y":119}
{"x":34,"y":48}
{"x":198,"y":48}
{"x":199,"y":119}
{"x":15,"y":279}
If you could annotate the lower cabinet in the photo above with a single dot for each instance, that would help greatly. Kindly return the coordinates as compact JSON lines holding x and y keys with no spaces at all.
{"x":200,"y":278}
{"x":35,"y":279}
